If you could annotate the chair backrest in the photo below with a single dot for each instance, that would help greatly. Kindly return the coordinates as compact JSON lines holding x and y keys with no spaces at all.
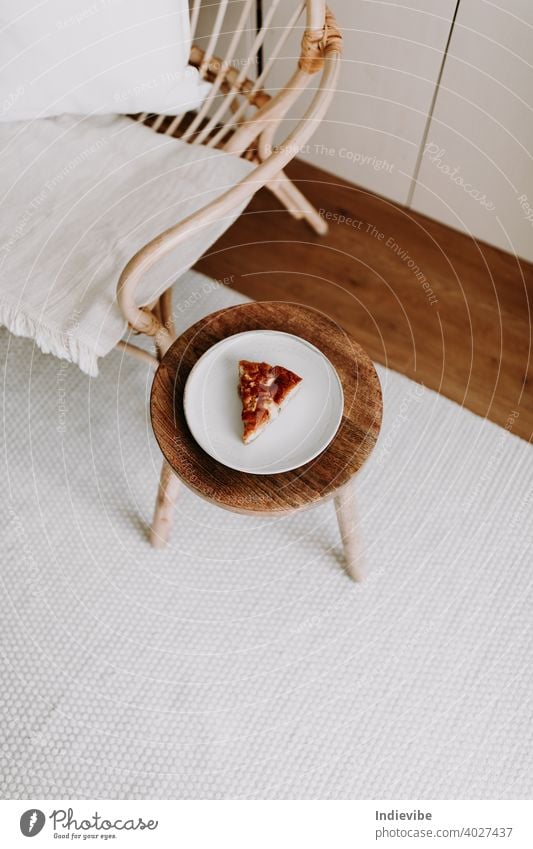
{"x":224,"y":120}
{"x":238,"y":93}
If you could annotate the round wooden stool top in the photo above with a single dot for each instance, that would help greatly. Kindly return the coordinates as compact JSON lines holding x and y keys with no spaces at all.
{"x":317,"y":480}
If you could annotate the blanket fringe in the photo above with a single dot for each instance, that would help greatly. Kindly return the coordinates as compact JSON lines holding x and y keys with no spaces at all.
{"x":62,"y":345}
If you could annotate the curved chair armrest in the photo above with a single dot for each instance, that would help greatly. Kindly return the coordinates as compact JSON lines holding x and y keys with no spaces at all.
{"x":144,"y":320}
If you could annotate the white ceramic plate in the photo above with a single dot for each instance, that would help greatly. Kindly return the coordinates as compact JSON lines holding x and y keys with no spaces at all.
{"x":304,"y":427}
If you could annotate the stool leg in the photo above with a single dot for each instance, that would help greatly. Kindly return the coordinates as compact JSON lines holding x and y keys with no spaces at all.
{"x":349,"y":528}
{"x":164,"y":507}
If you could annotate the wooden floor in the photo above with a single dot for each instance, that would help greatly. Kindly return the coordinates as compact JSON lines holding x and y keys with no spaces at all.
{"x":372,"y":273}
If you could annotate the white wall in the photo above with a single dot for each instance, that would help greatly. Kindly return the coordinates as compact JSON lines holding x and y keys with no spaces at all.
{"x":476,"y":173}
{"x":477,"y":169}
{"x":392,"y":56}
{"x":393,"y":52}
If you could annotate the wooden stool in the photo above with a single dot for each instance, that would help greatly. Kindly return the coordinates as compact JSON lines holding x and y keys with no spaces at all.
{"x":327,"y":476}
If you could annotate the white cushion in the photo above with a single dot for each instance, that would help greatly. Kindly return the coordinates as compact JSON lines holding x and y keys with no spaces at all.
{"x":80,"y":197}
{"x":102,"y":57}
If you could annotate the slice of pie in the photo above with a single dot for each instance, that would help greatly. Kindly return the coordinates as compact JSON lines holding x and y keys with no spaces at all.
{"x":264,"y":390}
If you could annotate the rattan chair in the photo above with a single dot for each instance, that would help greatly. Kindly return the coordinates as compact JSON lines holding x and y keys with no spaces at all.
{"x":240,"y":117}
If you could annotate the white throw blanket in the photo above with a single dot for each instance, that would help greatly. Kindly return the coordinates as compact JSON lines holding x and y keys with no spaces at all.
{"x":79,"y":197}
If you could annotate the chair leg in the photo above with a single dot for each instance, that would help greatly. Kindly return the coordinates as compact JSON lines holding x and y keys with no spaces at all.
{"x":349,"y":529}
{"x":164,"y":507}
{"x":296,"y":203}
{"x":279,"y":191}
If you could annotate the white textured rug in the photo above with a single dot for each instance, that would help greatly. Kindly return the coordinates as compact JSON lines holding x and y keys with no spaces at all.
{"x":204,"y":672}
